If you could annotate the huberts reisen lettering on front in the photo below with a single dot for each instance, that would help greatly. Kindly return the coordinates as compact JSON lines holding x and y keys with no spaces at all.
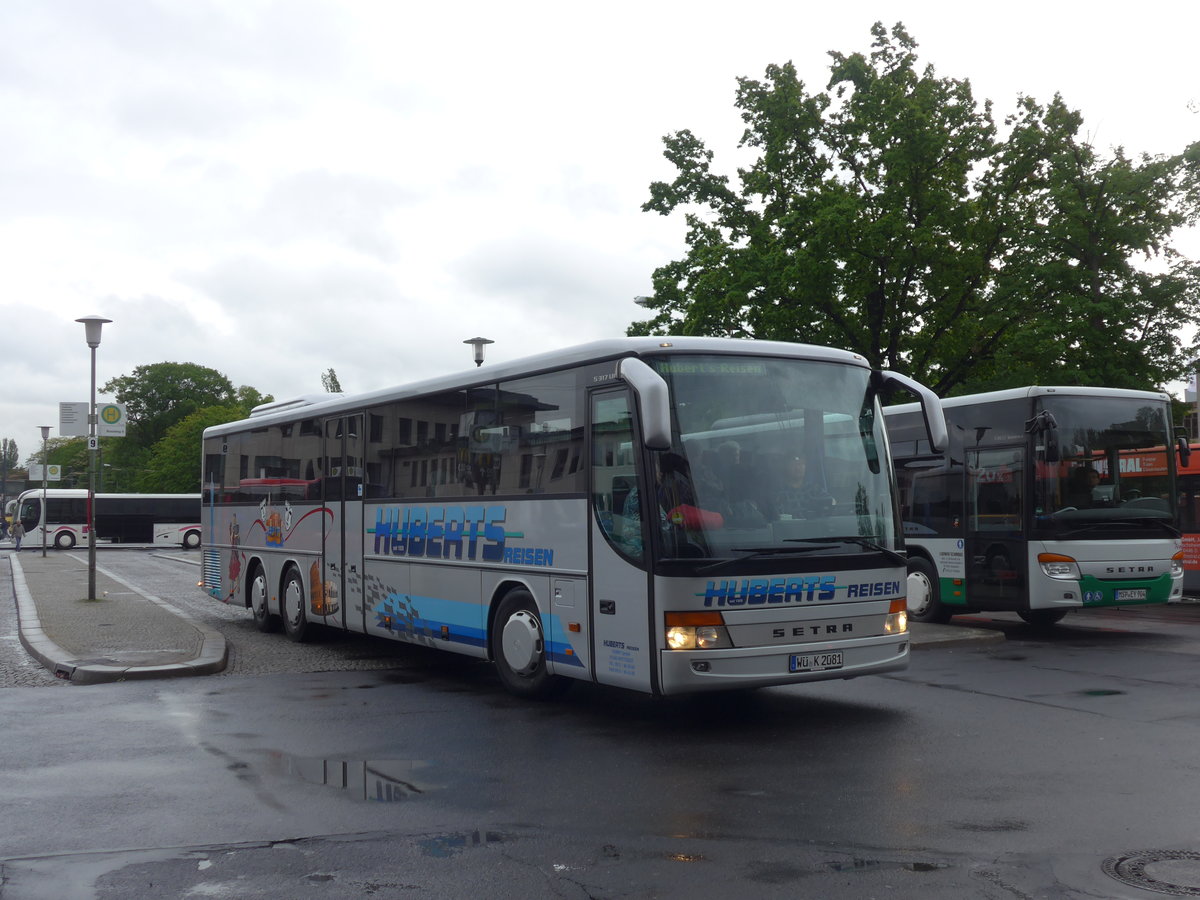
{"x":666,"y":515}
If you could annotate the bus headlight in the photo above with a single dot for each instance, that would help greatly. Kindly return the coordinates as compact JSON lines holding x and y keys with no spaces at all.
{"x":897,"y":617}
{"x":1177,"y":565}
{"x":1055,"y":565}
{"x":696,"y":631}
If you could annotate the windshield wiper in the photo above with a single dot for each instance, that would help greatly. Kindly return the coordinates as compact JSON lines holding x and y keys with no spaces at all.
{"x":761,"y":553}
{"x":1110,"y":524}
{"x":870,"y":545}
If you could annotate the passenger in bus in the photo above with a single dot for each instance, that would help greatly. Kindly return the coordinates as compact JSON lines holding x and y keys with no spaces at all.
{"x":797,"y":496}
{"x":720,"y":487}
{"x":680,"y":521}
{"x":1080,"y":492}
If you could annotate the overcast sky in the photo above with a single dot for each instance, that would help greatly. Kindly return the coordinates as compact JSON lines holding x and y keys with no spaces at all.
{"x":272,"y":189}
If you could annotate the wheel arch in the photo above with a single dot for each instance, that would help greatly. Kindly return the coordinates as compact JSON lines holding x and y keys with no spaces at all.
{"x":917,"y":552}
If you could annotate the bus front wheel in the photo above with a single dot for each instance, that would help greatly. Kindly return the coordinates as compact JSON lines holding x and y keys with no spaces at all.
{"x":191,"y":540}
{"x":295,"y":622}
{"x":924,"y":592}
{"x":259,"y":599}
{"x":64,"y":540}
{"x":519,"y":648}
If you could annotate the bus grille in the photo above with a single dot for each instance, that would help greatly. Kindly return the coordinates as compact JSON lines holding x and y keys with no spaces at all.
{"x":212,"y":569}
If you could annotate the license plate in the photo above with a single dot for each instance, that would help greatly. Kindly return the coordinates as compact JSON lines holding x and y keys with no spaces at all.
{"x":815,"y":662}
{"x":1130,"y":594}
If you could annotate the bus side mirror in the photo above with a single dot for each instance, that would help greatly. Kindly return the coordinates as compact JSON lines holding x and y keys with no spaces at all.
{"x":1044,"y":424}
{"x":931,"y":406}
{"x":1052,"y":454}
{"x":653,"y":403}
{"x":1185,"y":451}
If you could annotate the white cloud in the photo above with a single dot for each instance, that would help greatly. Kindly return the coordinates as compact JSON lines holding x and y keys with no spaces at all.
{"x":273,"y":188}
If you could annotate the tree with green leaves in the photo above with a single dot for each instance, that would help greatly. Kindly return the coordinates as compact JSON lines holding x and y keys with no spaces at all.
{"x":174,"y":465}
{"x":329,"y":381}
{"x":890,"y":215}
{"x":157,"y":396}
{"x":68,"y":453}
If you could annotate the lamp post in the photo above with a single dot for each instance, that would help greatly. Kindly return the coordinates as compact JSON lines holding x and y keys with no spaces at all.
{"x":45,"y":514}
{"x":478,"y":343}
{"x":92,"y":326}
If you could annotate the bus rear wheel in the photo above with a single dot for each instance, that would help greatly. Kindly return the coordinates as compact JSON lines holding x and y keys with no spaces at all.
{"x":924,"y":592}
{"x":295,"y":622}
{"x":518,"y":647}
{"x":64,"y":540}
{"x":259,"y":602}
{"x":191,"y":540}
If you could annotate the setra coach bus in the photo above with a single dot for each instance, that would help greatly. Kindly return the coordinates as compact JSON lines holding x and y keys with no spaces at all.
{"x":1048,"y":499}
{"x":625,"y":513}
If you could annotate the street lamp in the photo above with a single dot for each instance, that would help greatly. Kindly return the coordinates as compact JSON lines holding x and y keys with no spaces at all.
{"x":92,"y":326}
{"x":478,"y":343}
{"x":45,"y":514}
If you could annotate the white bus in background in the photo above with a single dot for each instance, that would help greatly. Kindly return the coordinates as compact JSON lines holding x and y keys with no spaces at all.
{"x":521,"y":513}
{"x":164,"y":519}
{"x":1046,"y":500}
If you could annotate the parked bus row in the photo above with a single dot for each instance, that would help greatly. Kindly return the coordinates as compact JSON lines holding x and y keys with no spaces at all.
{"x":690,"y":514}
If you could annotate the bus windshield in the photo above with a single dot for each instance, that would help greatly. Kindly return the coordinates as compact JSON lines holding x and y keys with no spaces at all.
{"x":772,"y":457}
{"x":1111,"y":468}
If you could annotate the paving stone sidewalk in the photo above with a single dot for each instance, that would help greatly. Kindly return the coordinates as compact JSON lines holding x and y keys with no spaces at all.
{"x":123,"y":634}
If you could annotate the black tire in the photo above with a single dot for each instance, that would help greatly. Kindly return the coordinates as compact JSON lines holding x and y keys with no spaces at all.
{"x":292,"y":602}
{"x":259,"y":597}
{"x":924,"y":593}
{"x":191,"y":540}
{"x":519,"y":648}
{"x":1042,"y":618}
{"x":64,"y":540}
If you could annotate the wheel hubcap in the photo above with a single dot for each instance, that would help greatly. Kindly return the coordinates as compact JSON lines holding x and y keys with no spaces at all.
{"x":259,"y":593}
{"x":919,"y":593}
{"x":293,"y":601}
{"x":521,"y":643}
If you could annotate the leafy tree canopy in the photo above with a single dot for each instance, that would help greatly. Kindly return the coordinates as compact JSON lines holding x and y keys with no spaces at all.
{"x":174,"y":465}
{"x":157,"y":396}
{"x":329,"y":381}
{"x":892,"y":216}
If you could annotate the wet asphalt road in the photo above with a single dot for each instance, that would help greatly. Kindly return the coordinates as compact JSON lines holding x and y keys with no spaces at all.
{"x":352,"y":767}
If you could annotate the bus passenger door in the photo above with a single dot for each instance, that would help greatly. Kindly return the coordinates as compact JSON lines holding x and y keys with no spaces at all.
{"x":623,"y":650}
{"x":996,"y":551}
{"x":337,"y":597}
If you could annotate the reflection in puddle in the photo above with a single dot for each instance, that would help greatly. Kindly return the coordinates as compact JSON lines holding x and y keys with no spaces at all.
{"x":377,"y":781}
{"x":447,"y":845}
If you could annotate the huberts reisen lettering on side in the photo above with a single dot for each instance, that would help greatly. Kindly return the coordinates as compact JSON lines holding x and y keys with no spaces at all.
{"x":666,"y":515}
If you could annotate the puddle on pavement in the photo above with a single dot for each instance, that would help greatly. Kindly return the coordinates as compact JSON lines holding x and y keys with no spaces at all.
{"x":447,"y":845}
{"x":373,"y":781}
